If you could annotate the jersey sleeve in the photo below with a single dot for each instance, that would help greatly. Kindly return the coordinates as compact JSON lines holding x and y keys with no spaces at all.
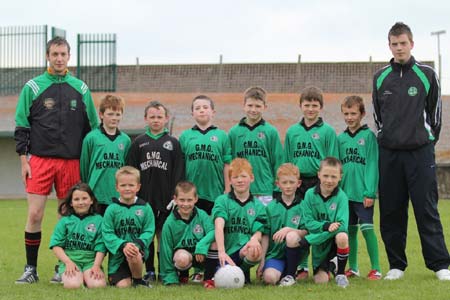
{"x":276,"y":152}
{"x":203,"y":245}
{"x":99,"y":243}
{"x":226,"y":149}
{"x":371,"y":173}
{"x":58,"y":238}
{"x":85,"y":158}
{"x":433,"y":107}
{"x":311,"y":224}
{"x":90,"y":109}
{"x":22,"y":130}
{"x":288,"y":148}
{"x":133,"y":155}
{"x":148,"y":230}
{"x":220,"y":209}
{"x":112,"y":241}
{"x":261,"y":219}
{"x":332,"y":144}
{"x":168,"y":272}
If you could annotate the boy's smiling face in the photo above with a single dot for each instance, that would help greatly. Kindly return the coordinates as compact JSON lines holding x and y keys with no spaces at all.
{"x":311,"y":110}
{"x":253,"y":109}
{"x":329,"y":177}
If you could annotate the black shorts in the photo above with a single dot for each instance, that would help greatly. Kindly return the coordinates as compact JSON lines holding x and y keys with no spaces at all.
{"x":206,"y":205}
{"x":358,"y":214}
{"x":325,"y":265}
{"x":122,"y":273}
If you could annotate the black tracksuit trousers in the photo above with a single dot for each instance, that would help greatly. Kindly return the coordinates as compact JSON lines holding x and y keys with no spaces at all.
{"x":404,"y":175}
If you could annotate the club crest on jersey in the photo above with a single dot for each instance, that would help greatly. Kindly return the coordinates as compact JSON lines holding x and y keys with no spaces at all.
{"x":316,"y":136}
{"x":91,"y":227}
{"x":168,"y":145}
{"x":49,"y":103}
{"x":251,"y":212}
{"x":333,"y":206}
{"x":197,"y":229}
{"x":121,"y":146}
{"x":73,"y":104}
{"x":139,"y":212}
{"x":412,"y":91}
{"x":261,"y":135}
{"x":295,"y":220}
{"x":361,"y":142}
{"x":213,"y":138}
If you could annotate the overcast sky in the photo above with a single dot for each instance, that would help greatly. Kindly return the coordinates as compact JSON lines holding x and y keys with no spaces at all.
{"x":168,"y":32}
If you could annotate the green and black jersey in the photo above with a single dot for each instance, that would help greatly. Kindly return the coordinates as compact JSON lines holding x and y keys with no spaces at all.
{"x":123,"y":224}
{"x":318,"y":213}
{"x":79,"y":236}
{"x":160,"y":161}
{"x":194,"y":235}
{"x":205,"y":153}
{"x":280,"y":215}
{"x":53,"y":115}
{"x":358,"y":153}
{"x":261,"y":146}
{"x":101,"y":156}
{"x":242,"y":219}
{"x":306,"y":147}
{"x":407,"y":105}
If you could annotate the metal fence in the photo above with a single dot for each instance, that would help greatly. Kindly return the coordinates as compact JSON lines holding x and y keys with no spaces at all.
{"x":96,"y":63}
{"x":22,"y":56}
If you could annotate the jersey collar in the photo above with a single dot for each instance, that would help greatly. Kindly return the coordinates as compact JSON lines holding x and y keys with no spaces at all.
{"x":232,"y":196}
{"x":363,"y":127}
{"x":204,"y":131}
{"x":325,"y":199}
{"x":157,"y":136}
{"x":318,"y":123}
{"x":243,"y":123}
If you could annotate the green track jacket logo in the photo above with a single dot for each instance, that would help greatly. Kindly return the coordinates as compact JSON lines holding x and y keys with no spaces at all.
{"x":412,"y":91}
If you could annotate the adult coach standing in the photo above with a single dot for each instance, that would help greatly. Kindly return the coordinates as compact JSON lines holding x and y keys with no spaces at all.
{"x":407,"y":110}
{"x":53,"y":114}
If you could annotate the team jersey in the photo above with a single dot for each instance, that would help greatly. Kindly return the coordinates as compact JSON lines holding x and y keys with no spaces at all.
{"x":358,"y":153}
{"x":261,"y":146}
{"x":194,"y":235}
{"x":318,"y":213}
{"x":79,"y":236}
{"x":101,"y":156}
{"x":123,"y":224}
{"x":306,"y":147}
{"x":160,"y":161}
{"x":53,"y":115}
{"x":242,"y":219}
{"x":280,"y":215}
{"x":205,"y":154}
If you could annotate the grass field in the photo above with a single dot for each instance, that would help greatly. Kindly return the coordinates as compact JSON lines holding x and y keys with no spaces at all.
{"x":418,"y":283}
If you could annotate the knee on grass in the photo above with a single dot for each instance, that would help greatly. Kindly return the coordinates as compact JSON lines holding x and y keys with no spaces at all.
{"x":182,"y":259}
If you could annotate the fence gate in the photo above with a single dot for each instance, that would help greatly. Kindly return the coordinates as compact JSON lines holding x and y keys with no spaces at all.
{"x":22,"y":55}
{"x":96,"y":63}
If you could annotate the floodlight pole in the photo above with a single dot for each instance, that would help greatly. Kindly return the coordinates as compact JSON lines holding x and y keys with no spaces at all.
{"x":437,"y":34}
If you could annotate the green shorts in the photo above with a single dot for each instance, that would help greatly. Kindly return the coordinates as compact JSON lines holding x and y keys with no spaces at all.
{"x":82,"y":258}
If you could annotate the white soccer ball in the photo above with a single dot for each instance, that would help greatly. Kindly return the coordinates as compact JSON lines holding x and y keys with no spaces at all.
{"x":229,"y":277}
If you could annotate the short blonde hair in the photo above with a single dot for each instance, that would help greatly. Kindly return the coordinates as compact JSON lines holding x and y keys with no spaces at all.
{"x":128,"y":170}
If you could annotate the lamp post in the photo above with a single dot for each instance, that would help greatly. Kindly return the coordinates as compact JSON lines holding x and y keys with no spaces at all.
{"x":437,"y":34}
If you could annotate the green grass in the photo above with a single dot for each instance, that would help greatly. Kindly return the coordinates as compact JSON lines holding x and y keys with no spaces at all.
{"x":418,"y":283}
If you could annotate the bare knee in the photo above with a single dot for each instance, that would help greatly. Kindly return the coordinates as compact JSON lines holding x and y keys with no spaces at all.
{"x":342,"y":240}
{"x":124,"y":283}
{"x":271,"y":276}
{"x":321,"y":277}
{"x":292,"y":239}
{"x":182,"y":259}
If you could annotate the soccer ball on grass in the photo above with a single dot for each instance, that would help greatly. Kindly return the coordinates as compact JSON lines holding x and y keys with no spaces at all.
{"x":229,"y":277}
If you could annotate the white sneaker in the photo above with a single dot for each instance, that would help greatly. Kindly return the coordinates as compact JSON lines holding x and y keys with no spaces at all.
{"x":443,"y":274}
{"x":287,"y":280}
{"x":394,"y":274}
{"x":341,"y":280}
